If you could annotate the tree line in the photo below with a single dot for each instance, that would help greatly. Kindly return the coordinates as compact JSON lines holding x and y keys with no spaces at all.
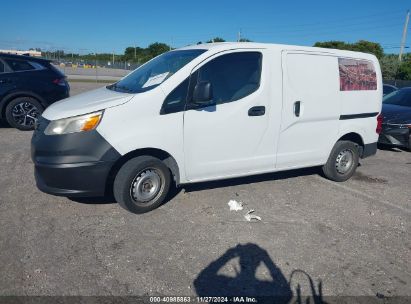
{"x":390,"y":65}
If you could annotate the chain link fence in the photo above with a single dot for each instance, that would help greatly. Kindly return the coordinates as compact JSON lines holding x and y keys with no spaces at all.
{"x":398,"y":83}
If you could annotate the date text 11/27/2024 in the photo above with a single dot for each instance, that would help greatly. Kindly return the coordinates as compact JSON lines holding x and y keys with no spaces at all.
{"x":203,"y":299}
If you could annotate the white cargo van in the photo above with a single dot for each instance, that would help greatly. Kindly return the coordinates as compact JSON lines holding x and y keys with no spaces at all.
{"x":208,"y":112}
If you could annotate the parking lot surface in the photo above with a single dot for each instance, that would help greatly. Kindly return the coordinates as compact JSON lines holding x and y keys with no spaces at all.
{"x":349,"y":238}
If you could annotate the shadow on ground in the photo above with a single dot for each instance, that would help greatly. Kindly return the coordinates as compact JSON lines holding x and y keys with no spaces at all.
{"x":244,"y":281}
{"x":109,"y":199}
{"x":391,"y":149}
{"x":4,"y":125}
{"x":93,"y":200}
{"x":252,"y":179}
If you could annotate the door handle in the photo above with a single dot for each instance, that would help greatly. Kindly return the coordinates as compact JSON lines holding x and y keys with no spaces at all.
{"x":256,"y":111}
{"x":297,"y":108}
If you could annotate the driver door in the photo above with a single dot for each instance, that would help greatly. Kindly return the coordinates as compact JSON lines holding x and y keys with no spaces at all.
{"x":232,"y":135}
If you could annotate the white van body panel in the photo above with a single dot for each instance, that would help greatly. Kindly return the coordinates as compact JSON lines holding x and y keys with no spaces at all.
{"x":210,"y":145}
{"x":310,"y":79}
{"x":141,"y":127}
{"x":87,"y":102}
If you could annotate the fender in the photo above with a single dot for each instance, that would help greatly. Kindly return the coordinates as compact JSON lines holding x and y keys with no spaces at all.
{"x":11,"y":96}
{"x":161,"y":154}
{"x":364,"y":127}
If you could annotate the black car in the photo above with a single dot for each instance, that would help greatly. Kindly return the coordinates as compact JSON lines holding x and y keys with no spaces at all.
{"x":388,"y":88}
{"x":27,"y":86}
{"x":396,"y":112}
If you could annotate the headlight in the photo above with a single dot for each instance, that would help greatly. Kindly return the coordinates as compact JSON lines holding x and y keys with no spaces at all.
{"x":74,"y":124}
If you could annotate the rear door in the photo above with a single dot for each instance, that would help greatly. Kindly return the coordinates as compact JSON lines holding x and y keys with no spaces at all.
{"x":234,"y":137}
{"x":6,"y":79}
{"x":311,"y":109}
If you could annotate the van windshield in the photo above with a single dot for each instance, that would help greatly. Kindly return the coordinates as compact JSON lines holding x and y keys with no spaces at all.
{"x":155,"y":72}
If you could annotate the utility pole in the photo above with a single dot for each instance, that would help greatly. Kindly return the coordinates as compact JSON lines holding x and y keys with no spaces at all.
{"x":113,"y":59}
{"x":135,"y":52}
{"x":96,"y":67}
{"x":404,"y":35}
{"x":239,"y":36}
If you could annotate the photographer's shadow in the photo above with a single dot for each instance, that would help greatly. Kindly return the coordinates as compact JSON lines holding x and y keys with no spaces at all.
{"x":245,"y":283}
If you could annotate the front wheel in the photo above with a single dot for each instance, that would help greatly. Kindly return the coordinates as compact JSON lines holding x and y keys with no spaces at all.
{"x":342,"y":161}
{"x":22,"y":113}
{"x":142,"y":184}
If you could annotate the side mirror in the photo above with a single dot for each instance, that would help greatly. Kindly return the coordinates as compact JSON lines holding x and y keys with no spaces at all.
{"x":203,"y":93}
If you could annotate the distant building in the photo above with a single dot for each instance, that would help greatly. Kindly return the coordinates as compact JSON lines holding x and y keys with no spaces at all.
{"x":28,"y":53}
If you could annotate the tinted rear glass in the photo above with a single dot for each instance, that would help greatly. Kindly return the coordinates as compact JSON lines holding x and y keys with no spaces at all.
{"x":54,"y":69}
{"x":388,"y":89}
{"x":399,"y":98}
{"x":19,"y":65}
{"x":1,"y":67}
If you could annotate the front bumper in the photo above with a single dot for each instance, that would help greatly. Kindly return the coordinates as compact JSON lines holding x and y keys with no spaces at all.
{"x":76,"y":164}
{"x":73,"y":180}
{"x":395,"y":135}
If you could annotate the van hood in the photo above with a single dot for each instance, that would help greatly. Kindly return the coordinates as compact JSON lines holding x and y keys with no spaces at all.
{"x":84,"y":103}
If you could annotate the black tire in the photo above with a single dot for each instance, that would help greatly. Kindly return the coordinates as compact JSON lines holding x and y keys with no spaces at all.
{"x":334,"y":168}
{"x":132,"y":174}
{"x":22,"y":112}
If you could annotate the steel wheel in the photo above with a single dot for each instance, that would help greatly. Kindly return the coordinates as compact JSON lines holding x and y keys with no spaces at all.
{"x":344,"y":161}
{"x":146,"y":185}
{"x":142,"y":184}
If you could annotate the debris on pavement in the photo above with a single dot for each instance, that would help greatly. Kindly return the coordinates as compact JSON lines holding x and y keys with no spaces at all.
{"x":235,"y":206}
{"x":249,"y":216}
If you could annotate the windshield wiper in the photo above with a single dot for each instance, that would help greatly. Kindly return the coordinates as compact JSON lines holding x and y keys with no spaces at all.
{"x":118,"y":88}
{"x":124,"y":89}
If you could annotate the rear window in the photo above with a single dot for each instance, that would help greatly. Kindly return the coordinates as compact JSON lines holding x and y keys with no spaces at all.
{"x":357,"y":75}
{"x":56,"y":70}
{"x":1,"y":67}
{"x":19,"y":65}
{"x":399,"y":98}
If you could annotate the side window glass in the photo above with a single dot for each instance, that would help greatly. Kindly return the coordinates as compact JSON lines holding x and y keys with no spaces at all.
{"x":175,"y":101}
{"x":36,"y":65}
{"x":1,"y":67}
{"x":232,"y":76}
{"x":19,"y":65}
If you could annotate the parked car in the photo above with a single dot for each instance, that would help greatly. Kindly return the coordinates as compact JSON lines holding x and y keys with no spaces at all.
{"x":28,"y":85}
{"x":388,"y":88}
{"x":210,"y":112}
{"x":396,"y":126}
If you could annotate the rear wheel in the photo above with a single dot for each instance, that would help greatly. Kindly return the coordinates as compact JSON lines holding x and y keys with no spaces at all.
{"x":22,"y":113}
{"x":342,"y":161}
{"x":142,"y":184}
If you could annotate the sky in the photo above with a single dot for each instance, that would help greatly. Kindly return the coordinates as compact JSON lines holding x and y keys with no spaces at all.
{"x":110,"y":26}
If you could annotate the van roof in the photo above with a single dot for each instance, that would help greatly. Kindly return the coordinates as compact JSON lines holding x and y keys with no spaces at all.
{"x":221,"y":46}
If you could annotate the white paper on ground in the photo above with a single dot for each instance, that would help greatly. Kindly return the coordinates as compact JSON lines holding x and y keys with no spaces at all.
{"x":235,"y":206}
{"x":249,"y":216}
{"x":154,"y":80}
